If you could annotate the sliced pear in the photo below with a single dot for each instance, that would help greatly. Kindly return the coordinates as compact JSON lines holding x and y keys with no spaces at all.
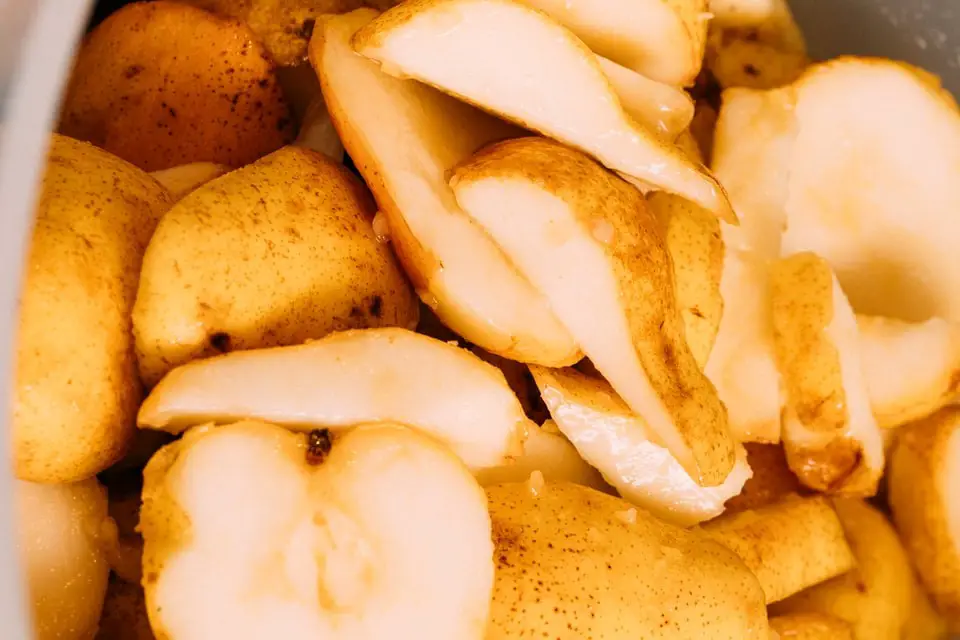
{"x":180,"y":181}
{"x":696,"y":249}
{"x":742,"y":362}
{"x":768,"y":21}
{"x":348,"y":378}
{"x":790,"y":545}
{"x":318,"y":133}
{"x":735,"y":62}
{"x":922,"y":484}
{"x":574,"y":563}
{"x":832,"y":440}
{"x":912,"y":369}
{"x":811,"y":626}
{"x":546,"y":451}
{"x":865,"y":191}
{"x":403,"y":137}
{"x":249,"y":535}
{"x":875,"y":597}
{"x":540,"y":76}
{"x":618,"y":443}
{"x":661,"y":107}
{"x":772,"y":479}
{"x":662,"y":39}
{"x":587,"y":241}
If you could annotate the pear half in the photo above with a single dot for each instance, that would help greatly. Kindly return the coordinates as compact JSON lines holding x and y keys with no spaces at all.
{"x":871,"y":190}
{"x":518,"y":63}
{"x":404,"y":136}
{"x":618,"y":443}
{"x":923,"y":482}
{"x":587,"y":241}
{"x":832,"y":441}
{"x":348,"y":378}
{"x":249,"y":533}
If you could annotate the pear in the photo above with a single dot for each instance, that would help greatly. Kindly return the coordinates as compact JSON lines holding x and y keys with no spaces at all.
{"x":587,"y":241}
{"x":183,"y":179}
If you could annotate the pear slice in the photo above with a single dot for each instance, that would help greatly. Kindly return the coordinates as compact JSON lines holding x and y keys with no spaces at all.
{"x":618,"y":443}
{"x":912,"y":369}
{"x":249,"y":533}
{"x":877,"y":596}
{"x":181,"y":180}
{"x":587,"y":241}
{"x":767,"y":21}
{"x":790,"y":545}
{"x":811,"y":626}
{"x":348,"y":378}
{"x":546,"y":451}
{"x":662,"y":39}
{"x":541,"y":77}
{"x":661,"y":107}
{"x":403,"y":137}
{"x":742,"y":362}
{"x":832,"y":440}
{"x":867,"y":189}
{"x":696,"y":249}
{"x":923,"y":481}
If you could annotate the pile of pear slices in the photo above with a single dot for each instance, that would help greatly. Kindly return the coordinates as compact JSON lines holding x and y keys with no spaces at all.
{"x":637,"y":403}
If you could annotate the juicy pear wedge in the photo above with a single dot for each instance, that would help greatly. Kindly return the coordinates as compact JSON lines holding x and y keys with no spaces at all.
{"x":618,"y":443}
{"x":923,"y":482}
{"x":832,"y":441}
{"x":181,"y":180}
{"x":870,"y":190}
{"x":574,"y":563}
{"x":661,"y":107}
{"x":662,"y":39}
{"x":403,"y":137}
{"x":587,"y":241}
{"x":546,"y":451}
{"x":348,"y":378}
{"x":742,"y":362}
{"x":251,"y":533}
{"x":790,"y":545}
{"x":518,"y":63}
{"x":912,"y":369}
{"x":876,"y":597}
{"x":696,"y":248}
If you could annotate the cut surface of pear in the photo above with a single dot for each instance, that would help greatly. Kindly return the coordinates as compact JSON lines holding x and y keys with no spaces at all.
{"x":832,"y":440}
{"x":790,"y":545}
{"x":912,"y":369}
{"x":349,"y":378}
{"x":248,"y":535}
{"x":404,"y":136}
{"x":548,"y":452}
{"x":658,"y":106}
{"x":923,"y":483}
{"x":618,"y":443}
{"x":180,"y":181}
{"x":574,"y":563}
{"x":516,"y":62}
{"x":867,"y":189}
{"x":662,"y":39}
{"x":587,"y":241}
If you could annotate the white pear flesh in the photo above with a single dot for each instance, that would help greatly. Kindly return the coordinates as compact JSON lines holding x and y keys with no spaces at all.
{"x":573,"y":563}
{"x":618,"y":443}
{"x":348,"y":378}
{"x":246,"y":536}
{"x":518,"y":63}
{"x":661,"y":107}
{"x":587,"y":241}
{"x":64,"y":538}
{"x":867,"y":189}
{"x":404,"y":136}
{"x":833,"y":442}
{"x":181,"y":180}
{"x":912,"y":369}
{"x":923,"y":485}
{"x":742,"y":363}
{"x":662,"y":39}
{"x":548,"y":452}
